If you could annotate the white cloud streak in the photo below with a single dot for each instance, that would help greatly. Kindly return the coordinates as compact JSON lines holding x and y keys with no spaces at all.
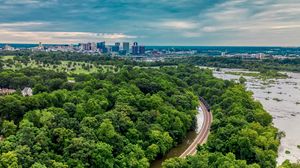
{"x":242,"y":22}
{"x":13,"y":32}
{"x":177,"y":24}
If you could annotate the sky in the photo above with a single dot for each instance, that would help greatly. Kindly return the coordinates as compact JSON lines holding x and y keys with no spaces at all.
{"x":152,"y":22}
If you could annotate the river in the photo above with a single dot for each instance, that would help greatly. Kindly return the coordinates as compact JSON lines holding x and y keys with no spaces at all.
{"x":178,"y":150}
{"x":281,"y":98}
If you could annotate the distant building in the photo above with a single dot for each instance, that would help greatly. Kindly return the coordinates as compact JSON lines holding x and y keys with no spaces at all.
{"x":27,"y":91}
{"x":116,"y":47}
{"x":135,"y":48}
{"x":138,"y":50}
{"x":93,"y":47}
{"x":83,"y":46}
{"x":41,"y":47}
{"x":88,"y":46}
{"x":261,"y":56}
{"x":126,"y":46}
{"x":101,"y":46}
{"x":122,"y":52}
{"x":63,"y":48}
{"x":142,"y":50}
{"x":8,"y":48}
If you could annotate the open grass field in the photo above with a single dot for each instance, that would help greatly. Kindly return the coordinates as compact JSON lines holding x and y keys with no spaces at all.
{"x":66,"y":66}
{"x":6,"y":57}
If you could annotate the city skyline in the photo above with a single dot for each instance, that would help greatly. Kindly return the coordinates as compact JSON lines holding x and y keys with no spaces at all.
{"x":163,"y":22}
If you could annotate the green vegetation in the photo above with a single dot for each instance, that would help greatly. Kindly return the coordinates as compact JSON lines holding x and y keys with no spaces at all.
{"x":287,"y":152}
{"x":6,"y":57}
{"x":240,"y":63}
{"x":298,"y":146}
{"x":264,"y":75}
{"x":288,"y":164}
{"x":277,"y":99}
{"x":281,"y":134}
{"x":69,"y":67}
{"x":242,"y":135}
{"x":242,"y":80}
{"x":122,"y":119}
{"x":126,"y":117}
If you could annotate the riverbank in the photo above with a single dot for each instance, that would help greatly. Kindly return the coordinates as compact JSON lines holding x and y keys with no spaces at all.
{"x":285,"y":113}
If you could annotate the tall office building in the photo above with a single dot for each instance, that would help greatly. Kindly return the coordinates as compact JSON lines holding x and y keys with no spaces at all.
{"x":135,"y":48}
{"x":142,"y":50}
{"x":126,"y":46}
{"x":89,"y":47}
{"x":116,"y":47}
{"x":93,"y":46}
{"x":101,"y":46}
{"x":40,"y":45}
{"x":85,"y":46}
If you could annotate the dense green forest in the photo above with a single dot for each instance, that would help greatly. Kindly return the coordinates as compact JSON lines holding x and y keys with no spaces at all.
{"x":238,"y":62}
{"x":241,"y":134}
{"x":127,"y":117}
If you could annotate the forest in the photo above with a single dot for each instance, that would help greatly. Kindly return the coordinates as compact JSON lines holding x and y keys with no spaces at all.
{"x":292,"y":64}
{"x":128,"y":118}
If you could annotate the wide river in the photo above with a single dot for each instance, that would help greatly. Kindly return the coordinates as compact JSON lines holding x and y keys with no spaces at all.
{"x":281,"y":98}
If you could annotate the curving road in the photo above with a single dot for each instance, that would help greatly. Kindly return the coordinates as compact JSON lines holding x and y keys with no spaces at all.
{"x":203,"y":134}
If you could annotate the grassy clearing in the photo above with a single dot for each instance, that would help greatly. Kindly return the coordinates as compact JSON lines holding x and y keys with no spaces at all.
{"x":69,"y":67}
{"x":7,"y":57}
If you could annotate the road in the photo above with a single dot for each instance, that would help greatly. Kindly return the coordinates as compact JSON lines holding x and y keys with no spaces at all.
{"x":203,"y":134}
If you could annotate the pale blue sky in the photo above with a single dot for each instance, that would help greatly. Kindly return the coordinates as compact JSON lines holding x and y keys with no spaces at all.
{"x":159,"y":22}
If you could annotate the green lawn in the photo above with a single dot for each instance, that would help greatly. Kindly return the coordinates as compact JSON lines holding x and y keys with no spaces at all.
{"x":66,"y":66}
{"x":6,"y":57}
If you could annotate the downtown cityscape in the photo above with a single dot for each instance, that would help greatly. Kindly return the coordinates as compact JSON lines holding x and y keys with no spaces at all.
{"x":140,"y":51}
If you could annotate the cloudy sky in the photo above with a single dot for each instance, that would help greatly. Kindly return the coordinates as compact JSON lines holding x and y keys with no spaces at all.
{"x":152,"y":22}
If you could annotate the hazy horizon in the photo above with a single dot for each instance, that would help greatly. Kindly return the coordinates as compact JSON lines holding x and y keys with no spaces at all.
{"x":36,"y":44}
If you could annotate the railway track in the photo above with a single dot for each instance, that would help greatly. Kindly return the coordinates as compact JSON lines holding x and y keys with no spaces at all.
{"x":203,"y":134}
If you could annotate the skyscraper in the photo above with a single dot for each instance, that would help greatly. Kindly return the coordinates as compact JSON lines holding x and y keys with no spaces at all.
{"x":142,"y":50}
{"x":85,"y":46}
{"x":116,"y":47}
{"x":126,"y":46}
{"x":101,"y":47}
{"x":93,"y":46}
{"x":135,"y":48}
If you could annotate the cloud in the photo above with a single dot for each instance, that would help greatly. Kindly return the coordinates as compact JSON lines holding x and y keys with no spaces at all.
{"x":18,"y":32}
{"x":181,"y":22}
{"x":18,"y":25}
{"x":27,"y":2}
{"x":10,"y":36}
{"x":176,"y":24}
{"x":179,"y":25}
{"x":18,"y":2}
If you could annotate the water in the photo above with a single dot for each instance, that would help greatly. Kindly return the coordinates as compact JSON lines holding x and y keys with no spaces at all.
{"x":178,"y":150}
{"x":279,"y":98}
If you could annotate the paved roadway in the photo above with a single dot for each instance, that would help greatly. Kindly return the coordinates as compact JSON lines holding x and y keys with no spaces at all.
{"x":203,"y":134}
